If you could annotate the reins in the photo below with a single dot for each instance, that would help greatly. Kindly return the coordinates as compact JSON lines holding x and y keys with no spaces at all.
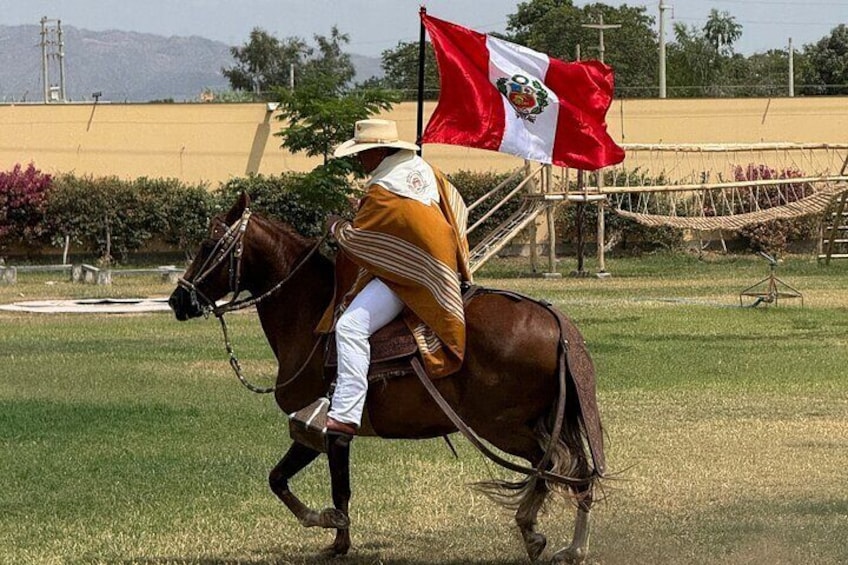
{"x":231,"y":246}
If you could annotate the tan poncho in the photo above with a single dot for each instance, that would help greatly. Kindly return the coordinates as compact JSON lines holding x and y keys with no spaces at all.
{"x":420,"y":252}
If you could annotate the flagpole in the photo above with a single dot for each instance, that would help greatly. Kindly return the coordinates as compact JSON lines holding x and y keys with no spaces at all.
{"x":421,"y":53}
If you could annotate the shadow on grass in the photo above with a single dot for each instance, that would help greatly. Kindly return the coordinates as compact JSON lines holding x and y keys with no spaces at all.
{"x":361,"y":557}
{"x":366,"y":553}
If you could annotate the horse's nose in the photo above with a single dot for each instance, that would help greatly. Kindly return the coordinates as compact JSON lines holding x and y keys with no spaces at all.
{"x":176,"y":304}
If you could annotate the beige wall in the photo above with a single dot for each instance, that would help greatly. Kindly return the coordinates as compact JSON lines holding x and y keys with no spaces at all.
{"x":214,"y":142}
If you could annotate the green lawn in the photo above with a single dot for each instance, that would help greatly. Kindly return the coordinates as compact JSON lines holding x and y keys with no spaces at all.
{"x":126,"y":439}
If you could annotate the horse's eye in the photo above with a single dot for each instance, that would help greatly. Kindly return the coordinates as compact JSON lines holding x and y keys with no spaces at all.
{"x":206,"y":246}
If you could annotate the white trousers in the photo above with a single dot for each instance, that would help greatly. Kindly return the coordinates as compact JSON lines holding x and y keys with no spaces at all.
{"x":374,"y":307}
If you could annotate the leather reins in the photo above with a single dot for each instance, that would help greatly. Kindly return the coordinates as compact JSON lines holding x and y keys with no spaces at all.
{"x":231,"y":246}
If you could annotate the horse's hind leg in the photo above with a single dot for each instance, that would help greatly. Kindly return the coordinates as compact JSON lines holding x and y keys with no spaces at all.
{"x":296,"y":458}
{"x":525,"y":517}
{"x":579,"y":548}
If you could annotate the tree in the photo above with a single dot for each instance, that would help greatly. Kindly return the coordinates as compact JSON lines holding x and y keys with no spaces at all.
{"x":722,"y":31}
{"x":767,"y":74}
{"x":320,"y":113}
{"x":702,"y":62}
{"x":265,"y":62}
{"x":826,"y":69}
{"x":330,"y":67}
{"x":555,"y":27}
{"x":106,"y":214}
{"x":401,"y":67}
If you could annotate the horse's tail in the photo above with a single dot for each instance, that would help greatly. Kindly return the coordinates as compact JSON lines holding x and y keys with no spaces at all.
{"x":568,"y":456}
{"x":579,"y":449}
{"x":580,"y":437}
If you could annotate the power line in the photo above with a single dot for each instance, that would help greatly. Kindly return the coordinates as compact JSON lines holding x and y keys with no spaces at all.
{"x":778,"y":2}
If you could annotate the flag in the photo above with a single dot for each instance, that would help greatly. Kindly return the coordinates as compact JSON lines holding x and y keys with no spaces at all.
{"x":505,"y":97}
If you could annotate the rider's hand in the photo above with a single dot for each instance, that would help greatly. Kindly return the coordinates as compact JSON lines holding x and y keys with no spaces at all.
{"x":331,"y":220}
{"x":354,"y":202}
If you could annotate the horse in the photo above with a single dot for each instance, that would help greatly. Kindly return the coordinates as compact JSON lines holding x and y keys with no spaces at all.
{"x":505,"y":391}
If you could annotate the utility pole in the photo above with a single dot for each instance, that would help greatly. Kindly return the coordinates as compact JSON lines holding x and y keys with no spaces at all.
{"x":601,"y":237}
{"x":663,"y":8}
{"x":791,"y":69}
{"x":601,"y":26}
{"x":45,"y":83}
{"x":52,"y":48}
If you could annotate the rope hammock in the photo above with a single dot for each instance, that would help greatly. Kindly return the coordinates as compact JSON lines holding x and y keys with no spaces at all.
{"x":724,"y":187}
{"x":811,"y":205}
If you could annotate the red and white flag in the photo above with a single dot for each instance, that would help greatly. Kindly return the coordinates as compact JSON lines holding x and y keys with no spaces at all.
{"x":505,"y":97}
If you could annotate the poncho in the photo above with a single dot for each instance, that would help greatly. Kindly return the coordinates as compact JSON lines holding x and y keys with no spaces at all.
{"x":418,"y":250}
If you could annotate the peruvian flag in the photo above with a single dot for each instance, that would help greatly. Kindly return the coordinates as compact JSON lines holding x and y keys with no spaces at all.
{"x":505,"y":97}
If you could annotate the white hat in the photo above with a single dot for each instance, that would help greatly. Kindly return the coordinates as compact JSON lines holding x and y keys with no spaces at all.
{"x":368,"y":134}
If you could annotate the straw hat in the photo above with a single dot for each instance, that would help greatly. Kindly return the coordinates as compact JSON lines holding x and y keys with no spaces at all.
{"x":368,"y":134}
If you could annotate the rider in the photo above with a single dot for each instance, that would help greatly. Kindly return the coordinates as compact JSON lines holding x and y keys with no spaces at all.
{"x":405,"y":251}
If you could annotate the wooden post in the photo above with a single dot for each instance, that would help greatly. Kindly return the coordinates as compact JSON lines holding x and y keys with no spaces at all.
{"x":551,"y":217}
{"x":579,"y":224}
{"x":533,"y":232}
{"x":602,"y":265}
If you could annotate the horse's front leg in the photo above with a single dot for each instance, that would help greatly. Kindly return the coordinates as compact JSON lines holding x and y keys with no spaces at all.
{"x":296,"y":458}
{"x":338,"y":457}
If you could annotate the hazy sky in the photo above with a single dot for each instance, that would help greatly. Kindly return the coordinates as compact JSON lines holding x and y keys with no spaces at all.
{"x":376,"y":25}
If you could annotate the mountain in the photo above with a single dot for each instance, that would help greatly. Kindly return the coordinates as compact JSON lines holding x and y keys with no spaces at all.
{"x":124,"y":66}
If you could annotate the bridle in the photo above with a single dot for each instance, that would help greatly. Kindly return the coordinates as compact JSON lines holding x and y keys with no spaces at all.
{"x":230,"y":247}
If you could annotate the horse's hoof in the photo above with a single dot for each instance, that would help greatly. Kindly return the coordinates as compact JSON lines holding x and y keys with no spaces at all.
{"x":535,"y":544}
{"x":340,"y":549}
{"x":340,"y":546}
{"x":335,"y":550}
{"x":334,"y":518}
{"x":571,"y":555}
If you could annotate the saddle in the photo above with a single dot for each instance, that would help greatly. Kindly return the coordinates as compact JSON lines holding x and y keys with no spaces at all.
{"x":392,"y":348}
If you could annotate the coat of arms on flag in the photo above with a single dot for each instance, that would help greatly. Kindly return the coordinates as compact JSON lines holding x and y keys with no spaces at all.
{"x":527,"y":96}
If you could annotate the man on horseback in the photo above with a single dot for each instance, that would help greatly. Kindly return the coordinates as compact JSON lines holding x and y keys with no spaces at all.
{"x":405,"y":251}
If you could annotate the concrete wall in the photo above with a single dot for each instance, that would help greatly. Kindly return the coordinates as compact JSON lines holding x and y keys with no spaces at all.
{"x":214,"y":142}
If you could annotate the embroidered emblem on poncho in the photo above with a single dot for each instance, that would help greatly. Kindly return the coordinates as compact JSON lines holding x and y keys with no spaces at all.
{"x":527,"y":96}
{"x":415,"y":182}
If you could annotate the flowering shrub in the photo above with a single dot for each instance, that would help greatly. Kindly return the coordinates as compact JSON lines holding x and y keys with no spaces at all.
{"x":774,"y":236}
{"x":23,"y":200}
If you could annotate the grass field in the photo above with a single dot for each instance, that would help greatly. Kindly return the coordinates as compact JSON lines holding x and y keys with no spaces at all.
{"x":125,"y":438}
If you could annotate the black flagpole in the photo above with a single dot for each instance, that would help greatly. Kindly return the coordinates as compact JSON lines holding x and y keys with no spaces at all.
{"x":421,"y":53}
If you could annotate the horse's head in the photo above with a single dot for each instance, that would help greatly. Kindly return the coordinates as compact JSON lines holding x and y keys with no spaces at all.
{"x":216,"y":269}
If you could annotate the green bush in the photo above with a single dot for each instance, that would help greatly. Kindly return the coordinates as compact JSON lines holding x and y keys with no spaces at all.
{"x":186,"y":210}
{"x":623,"y":235}
{"x":472,"y":186}
{"x":279,"y":196}
{"x":773,"y":237}
{"x":106,"y":215}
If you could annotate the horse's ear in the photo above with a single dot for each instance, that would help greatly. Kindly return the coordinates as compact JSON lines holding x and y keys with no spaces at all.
{"x":238,"y":208}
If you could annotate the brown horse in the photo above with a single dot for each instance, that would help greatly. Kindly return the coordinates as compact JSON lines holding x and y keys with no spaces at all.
{"x":506,"y":390}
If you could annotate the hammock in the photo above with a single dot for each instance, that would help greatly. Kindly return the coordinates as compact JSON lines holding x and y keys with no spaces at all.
{"x":724,"y":187}
{"x":810,"y":205}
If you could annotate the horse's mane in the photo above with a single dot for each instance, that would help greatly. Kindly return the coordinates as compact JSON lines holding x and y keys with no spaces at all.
{"x":286,"y":230}
{"x":283,"y":234}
